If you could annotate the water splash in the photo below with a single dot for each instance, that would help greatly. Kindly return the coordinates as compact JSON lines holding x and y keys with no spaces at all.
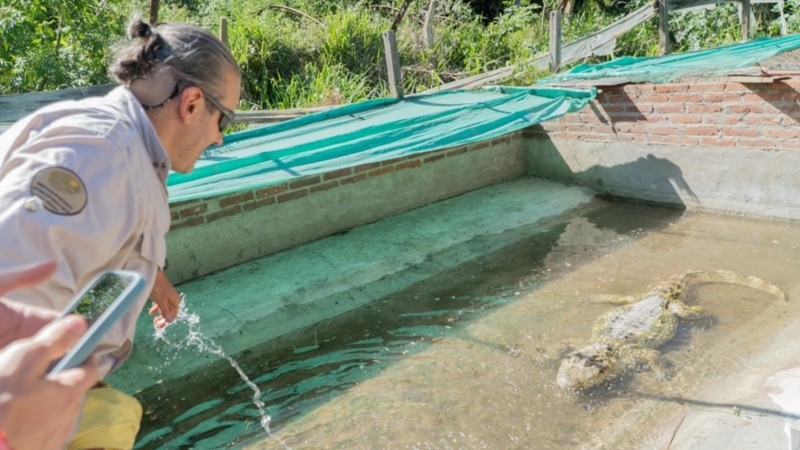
{"x":196,"y":339}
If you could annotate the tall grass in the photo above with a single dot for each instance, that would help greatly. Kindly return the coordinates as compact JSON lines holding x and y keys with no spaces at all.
{"x":332,"y":51}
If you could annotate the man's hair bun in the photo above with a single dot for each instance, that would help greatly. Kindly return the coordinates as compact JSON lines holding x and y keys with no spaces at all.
{"x":139,"y":29}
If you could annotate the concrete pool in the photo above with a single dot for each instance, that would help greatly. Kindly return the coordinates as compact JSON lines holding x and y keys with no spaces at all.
{"x":459,"y":349}
{"x":491,"y":384}
{"x":359,"y":319}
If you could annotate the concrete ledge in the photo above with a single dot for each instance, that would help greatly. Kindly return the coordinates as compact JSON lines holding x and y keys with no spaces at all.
{"x":213,"y":234}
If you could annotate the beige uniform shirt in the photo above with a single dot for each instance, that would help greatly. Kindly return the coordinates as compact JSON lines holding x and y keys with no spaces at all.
{"x":84,"y":183}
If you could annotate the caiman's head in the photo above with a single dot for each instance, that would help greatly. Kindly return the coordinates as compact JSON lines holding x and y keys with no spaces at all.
{"x":587,"y":367}
{"x":668,"y":290}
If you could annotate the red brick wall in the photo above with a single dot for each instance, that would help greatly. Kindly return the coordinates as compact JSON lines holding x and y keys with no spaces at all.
{"x":196,"y":212}
{"x":721,"y":114}
{"x":718,"y":114}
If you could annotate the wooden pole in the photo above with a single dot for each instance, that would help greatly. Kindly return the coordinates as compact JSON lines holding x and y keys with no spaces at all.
{"x":400,"y":13}
{"x":555,"y":40}
{"x":783,"y":18}
{"x":154,"y":12}
{"x":428,"y":24}
{"x":392,"y":63}
{"x":663,"y":26}
{"x":223,"y":31}
{"x":745,"y":19}
{"x":568,"y":7}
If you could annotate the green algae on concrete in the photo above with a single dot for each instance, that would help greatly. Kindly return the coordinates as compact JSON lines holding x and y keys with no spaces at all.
{"x":261,"y":300}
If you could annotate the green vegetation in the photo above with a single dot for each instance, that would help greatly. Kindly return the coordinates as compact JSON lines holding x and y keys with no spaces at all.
{"x":49,"y":45}
{"x":299,"y":53}
{"x":101,"y":295}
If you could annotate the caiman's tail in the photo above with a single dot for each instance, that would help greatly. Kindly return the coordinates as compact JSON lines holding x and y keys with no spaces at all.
{"x":727,"y":276}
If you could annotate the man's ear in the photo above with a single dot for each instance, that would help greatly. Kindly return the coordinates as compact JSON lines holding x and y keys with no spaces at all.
{"x":191,"y":104}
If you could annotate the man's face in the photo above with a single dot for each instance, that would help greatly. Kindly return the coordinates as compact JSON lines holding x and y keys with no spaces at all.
{"x":205,"y":131}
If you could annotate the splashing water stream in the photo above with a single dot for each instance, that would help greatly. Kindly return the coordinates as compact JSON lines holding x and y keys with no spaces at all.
{"x":196,"y":339}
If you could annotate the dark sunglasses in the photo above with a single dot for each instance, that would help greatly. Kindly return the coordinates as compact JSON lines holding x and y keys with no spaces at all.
{"x":225,"y":119}
{"x":227,"y":116}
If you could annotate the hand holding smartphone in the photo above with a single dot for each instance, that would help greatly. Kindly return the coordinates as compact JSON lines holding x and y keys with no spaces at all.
{"x":102,"y":302}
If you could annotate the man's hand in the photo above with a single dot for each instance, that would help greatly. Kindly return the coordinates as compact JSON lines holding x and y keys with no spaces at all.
{"x":37,"y":411}
{"x":18,"y":321}
{"x":166,"y":301}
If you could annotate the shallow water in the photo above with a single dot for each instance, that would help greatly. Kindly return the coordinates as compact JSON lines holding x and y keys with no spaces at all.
{"x":467,"y":359}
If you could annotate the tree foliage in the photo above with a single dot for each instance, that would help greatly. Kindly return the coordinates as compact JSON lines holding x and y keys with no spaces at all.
{"x":296,"y":53}
{"x":50,"y":45}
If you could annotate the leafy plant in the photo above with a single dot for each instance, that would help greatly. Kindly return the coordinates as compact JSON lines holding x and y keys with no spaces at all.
{"x":707,"y":28}
{"x":791,"y":10}
{"x":51,"y":45}
{"x":315,"y":52}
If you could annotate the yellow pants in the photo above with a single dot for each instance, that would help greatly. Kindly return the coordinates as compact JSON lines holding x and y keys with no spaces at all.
{"x":110,"y":420}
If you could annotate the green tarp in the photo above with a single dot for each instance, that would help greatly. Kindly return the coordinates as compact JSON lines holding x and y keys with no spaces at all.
{"x":663,"y":69}
{"x":366,"y":132}
{"x":381,"y":129}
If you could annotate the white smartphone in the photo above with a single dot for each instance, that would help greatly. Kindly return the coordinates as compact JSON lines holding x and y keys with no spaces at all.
{"x":102,"y":302}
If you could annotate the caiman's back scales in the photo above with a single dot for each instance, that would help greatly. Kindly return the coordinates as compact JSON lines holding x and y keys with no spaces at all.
{"x":628,"y":335}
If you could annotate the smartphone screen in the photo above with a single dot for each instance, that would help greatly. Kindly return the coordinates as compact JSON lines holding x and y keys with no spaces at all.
{"x":100,"y":295}
{"x":102,"y":303}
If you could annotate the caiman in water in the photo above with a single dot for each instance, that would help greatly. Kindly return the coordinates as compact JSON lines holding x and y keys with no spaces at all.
{"x":629,"y":335}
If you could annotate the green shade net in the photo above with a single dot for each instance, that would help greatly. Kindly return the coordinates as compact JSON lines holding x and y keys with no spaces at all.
{"x":366,"y":132}
{"x":715,"y":61}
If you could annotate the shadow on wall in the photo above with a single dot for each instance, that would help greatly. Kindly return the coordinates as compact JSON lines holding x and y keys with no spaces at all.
{"x":780,"y":96}
{"x":646,"y":178}
{"x":616,"y":107}
{"x":610,"y":171}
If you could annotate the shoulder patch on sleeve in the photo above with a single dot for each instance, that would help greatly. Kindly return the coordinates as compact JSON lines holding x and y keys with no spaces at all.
{"x":60,"y":190}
